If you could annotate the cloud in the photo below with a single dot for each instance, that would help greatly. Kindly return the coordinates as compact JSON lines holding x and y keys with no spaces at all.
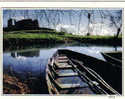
{"x":17,"y":18}
{"x":66,"y":28}
{"x":95,"y":29}
{"x":102,"y":29}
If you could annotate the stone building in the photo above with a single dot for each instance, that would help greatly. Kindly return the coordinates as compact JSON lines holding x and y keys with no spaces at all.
{"x":25,"y":24}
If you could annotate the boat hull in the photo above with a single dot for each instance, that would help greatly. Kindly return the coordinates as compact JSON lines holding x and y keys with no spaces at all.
{"x":111,"y":74}
{"x":113,"y":57}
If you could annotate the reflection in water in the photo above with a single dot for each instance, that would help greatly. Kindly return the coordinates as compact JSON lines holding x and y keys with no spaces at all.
{"x":28,"y":64}
{"x":34,"y":62}
{"x":29,"y":61}
{"x":115,"y":48}
{"x":26,"y":54}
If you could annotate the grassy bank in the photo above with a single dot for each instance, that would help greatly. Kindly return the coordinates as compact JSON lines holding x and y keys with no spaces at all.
{"x":20,"y":39}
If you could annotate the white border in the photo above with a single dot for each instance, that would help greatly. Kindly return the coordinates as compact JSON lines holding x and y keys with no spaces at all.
{"x":64,"y":4}
{"x":62,"y":0}
{"x":58,"y":5}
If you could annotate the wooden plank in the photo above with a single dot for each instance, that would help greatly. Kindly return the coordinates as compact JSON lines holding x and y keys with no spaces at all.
{"x":62,"y":57}
{"x":70,"y":86}
{"x":67,"y":74}
{"x":62,"y":61}
{"x":81,"y":91}
{"x":63,"y":66}
{"x":61,"y":86}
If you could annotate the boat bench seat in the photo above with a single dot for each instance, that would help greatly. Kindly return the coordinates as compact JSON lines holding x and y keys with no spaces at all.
{"x":67,"y":74}
{"x":63,"y":66}
{"x":63,"y":86}
{"x":62,"y":61}
{"x":68,"y":86}
{"x":62,"y":57}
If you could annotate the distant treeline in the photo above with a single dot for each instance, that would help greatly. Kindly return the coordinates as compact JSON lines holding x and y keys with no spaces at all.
{"x":6,"y":29}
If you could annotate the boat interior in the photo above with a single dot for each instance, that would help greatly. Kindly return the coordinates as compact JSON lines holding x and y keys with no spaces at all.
{"x":70,"y":72}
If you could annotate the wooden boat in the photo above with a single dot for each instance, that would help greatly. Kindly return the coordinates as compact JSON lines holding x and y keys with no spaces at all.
{"x":113,"y":57}
{"x":70,"y":72}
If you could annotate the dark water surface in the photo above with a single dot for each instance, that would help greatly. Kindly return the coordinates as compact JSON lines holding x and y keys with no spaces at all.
{"x":34,"y":61}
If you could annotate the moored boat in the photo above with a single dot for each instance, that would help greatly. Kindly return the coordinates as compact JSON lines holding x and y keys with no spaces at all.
{"x":70,"y":72}
{"x":113,"y":57}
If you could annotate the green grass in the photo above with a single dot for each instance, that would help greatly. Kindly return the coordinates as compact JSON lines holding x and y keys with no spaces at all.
{"x":32,"y":36}
{"x":41,"y":34}
{"x":22,"y":39}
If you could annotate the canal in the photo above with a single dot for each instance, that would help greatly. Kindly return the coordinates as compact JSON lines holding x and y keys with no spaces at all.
{"x":32,"y":62}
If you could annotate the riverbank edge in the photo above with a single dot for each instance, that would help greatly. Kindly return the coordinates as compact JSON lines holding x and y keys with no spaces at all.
{"x":13,"y":85}
{"x":20,"y":43}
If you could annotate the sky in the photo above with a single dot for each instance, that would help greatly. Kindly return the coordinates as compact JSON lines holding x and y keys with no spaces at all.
{"x":73,"y":21}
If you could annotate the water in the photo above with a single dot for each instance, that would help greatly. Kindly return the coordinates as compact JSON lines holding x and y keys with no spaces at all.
{"x":34,"y":61}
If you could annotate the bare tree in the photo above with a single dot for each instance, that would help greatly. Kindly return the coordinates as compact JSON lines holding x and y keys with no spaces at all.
{"x":116,"y":21}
